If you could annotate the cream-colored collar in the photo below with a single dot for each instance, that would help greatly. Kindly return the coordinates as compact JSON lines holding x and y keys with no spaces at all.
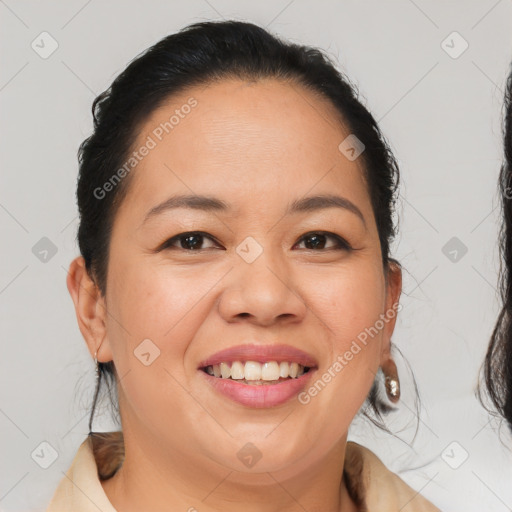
{"x":372,"y":485}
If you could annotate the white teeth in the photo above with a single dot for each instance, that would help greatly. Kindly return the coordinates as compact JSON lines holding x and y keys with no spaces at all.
{"x":255,"y":371}
{"x":270,"y":371}
{"x":237,"y":370}
{"x":252,"y":370}
{"x":225,"y":371}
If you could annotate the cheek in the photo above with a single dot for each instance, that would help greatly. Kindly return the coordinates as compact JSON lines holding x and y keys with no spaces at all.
{"x":145,"y":303}
{"x":152,"y":319}
{"x":349,"y":301}
{"x":349,"y":306}
{"x":152,"y":302}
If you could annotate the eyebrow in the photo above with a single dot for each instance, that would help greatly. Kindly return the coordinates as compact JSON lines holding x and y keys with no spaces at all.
{"x":211,"y":204}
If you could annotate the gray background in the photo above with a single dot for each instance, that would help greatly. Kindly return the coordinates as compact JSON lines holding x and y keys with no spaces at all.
{"x":442,"y":116}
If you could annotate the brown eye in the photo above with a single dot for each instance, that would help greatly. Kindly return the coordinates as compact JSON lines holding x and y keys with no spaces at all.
{"x":190,"y":241}
{"x":317,"y":241}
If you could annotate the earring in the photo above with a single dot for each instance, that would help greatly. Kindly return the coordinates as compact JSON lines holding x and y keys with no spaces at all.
{"x":97,"y":365}
{"x":97,"y":390}
{"x":391,"y":380}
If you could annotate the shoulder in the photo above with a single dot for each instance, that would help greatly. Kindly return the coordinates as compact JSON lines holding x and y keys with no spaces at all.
{"x":80,"y":489}
{"x":376,"y":487}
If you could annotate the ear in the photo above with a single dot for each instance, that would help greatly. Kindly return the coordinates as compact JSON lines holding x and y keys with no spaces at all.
{"x":90,"y":308}
{"x":393,"y":291}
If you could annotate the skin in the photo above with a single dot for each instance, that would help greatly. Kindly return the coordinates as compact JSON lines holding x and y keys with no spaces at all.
{"x":258,"y":146}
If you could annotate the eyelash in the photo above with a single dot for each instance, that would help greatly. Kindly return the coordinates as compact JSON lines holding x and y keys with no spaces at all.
{"x":342,"y":244}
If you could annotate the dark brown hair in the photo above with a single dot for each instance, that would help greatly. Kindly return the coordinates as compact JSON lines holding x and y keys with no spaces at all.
{"x":498,"y":360}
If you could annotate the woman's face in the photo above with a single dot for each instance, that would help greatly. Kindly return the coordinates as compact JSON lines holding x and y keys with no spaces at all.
{"x":261,"y":273}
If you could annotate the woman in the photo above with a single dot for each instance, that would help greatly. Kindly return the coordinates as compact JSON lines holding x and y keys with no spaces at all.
{"x":498,"y":361}
{"x":235,"y":282}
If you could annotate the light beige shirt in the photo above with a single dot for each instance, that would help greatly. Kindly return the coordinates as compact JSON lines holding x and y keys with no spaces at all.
{"x":372,"y":485}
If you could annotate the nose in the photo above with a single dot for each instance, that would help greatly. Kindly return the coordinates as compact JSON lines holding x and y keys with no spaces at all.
{"x":263,"y":292}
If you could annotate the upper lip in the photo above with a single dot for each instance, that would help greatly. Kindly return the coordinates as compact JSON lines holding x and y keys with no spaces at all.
{"x":260,"y":353}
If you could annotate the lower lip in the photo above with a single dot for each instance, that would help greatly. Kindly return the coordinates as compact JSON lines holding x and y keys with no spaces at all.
{"x":259,"y":396}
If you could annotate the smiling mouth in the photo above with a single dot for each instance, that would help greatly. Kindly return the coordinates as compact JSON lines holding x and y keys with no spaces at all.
{"x":254,"y":373}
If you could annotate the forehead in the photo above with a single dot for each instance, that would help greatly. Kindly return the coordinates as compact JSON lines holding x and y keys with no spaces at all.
{"x":268,"y":137}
